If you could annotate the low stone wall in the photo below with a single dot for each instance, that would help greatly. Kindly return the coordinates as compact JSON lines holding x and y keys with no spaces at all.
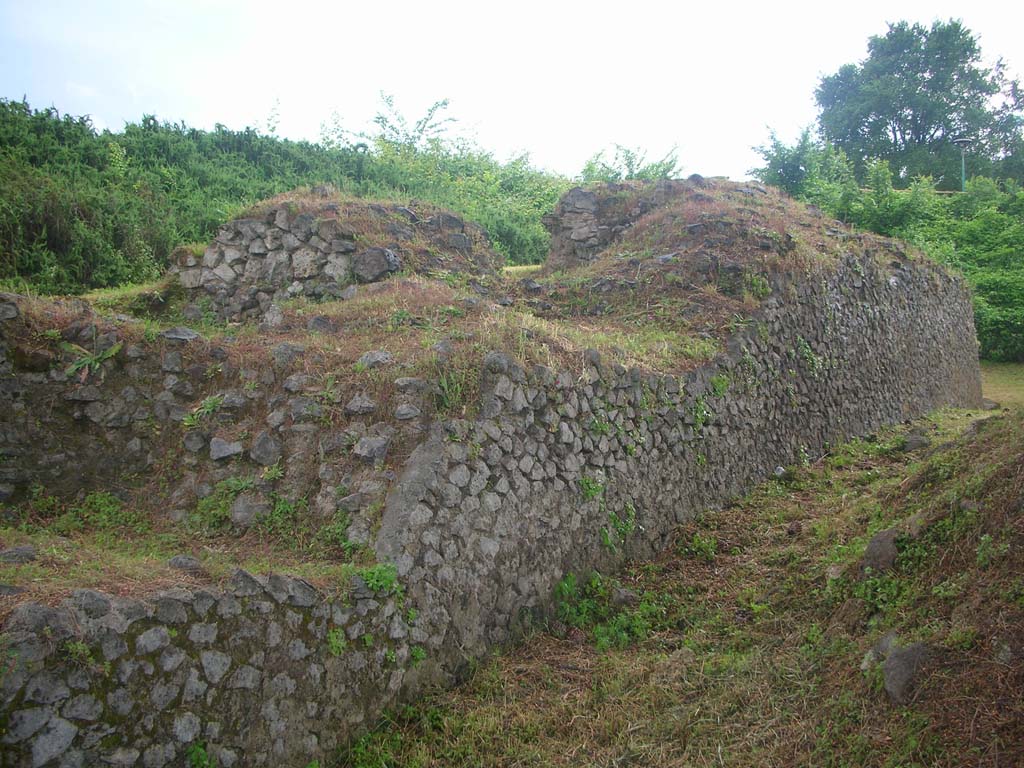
{"x":558,"y":474}
{"x":318,"y":252}
{"x":59,"y":431}
{"x":64,"y":418}
{"x":267,"y":672}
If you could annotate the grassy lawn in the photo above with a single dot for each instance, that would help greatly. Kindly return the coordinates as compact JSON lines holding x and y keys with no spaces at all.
{"x":1004,"y":383}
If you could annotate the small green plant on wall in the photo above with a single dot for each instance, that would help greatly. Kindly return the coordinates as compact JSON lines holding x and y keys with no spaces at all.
{"x":815,"y":364}
{"x":199,"y":757}
{"x":619,"y":528}
{"x":590,"y":488}
{"x":89,"y":362}
{"x":719,"y":384}
{"x":337,"y":643}
{"x":701,"y":414}
{"x":382,"y":578}
{"x":205,"y":409}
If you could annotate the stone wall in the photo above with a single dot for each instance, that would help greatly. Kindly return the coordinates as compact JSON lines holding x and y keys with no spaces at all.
{"x":490,"y":515}
{"x":266,"y":672}
{"x":61,"y":425}
{"x":588,"y":219}
{"x":485,"y":518}
{"x":320,"y":248}
{"x":58,"y":430}
{"x":139,"y":681}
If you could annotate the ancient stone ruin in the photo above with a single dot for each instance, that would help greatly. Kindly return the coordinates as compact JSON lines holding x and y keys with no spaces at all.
{"x":482,"y":515}
{"x":310,"y":246}
{"x":586,"y":221}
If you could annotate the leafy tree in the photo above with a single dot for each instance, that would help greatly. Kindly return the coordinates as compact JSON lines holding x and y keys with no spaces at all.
{"x":788,"y":168}
{"x":918,"y":90}
{"x":899,"y":110}
{"x":999,"y":313}
{"x":811,"y":171}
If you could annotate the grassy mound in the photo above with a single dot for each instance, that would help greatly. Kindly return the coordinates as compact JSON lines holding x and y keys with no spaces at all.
{"x":680,"y":276}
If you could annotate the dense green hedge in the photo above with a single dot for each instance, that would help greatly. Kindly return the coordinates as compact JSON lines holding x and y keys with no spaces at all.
{"x":999,"y":296}
{"x":82,"y":209}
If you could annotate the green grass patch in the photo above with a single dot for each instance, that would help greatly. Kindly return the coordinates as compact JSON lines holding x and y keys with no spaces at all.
{"x":1004,"y":383}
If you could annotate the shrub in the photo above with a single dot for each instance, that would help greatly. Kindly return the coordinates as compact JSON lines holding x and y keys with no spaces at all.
{"x":82,"y":209}
{"x":590,"y":607}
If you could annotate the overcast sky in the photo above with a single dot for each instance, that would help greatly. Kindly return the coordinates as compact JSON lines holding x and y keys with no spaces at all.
{"x":560,"y":80}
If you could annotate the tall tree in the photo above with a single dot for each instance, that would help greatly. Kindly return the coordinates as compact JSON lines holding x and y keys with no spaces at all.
{"x":918,"y":90}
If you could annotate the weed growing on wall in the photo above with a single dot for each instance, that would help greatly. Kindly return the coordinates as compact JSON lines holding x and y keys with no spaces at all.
{"x":815,"y":364}
{"x":382,"y":578}
{"x":89,"y":362}
{"x":337,"y":643}
{"x":199,"y":757}
{"x":590,"y":488}
{"x":719,"y":384}
{"x":204,"y":410}
{"x":701,"y":413}
{"x":619,"y":528}
{"x":213,"y":513}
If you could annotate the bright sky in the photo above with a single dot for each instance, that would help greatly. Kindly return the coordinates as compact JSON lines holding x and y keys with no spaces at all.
{"x":560,"y":80}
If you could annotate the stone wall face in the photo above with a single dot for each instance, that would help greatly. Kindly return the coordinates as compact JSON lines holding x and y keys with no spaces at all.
{"x":103,"y":427}
{"x":58,"y":432}
{"x":587,"y":220}
{"x":485,"y":518}
{"x":492,"y":514}
{"x":285,"y":254}
{"x":267,"y":672}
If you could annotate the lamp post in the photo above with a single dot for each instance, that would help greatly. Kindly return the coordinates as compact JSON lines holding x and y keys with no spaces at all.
{"x":963,"y":143}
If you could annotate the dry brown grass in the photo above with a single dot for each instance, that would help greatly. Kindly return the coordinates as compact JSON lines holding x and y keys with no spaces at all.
{"x":134,"y":564}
